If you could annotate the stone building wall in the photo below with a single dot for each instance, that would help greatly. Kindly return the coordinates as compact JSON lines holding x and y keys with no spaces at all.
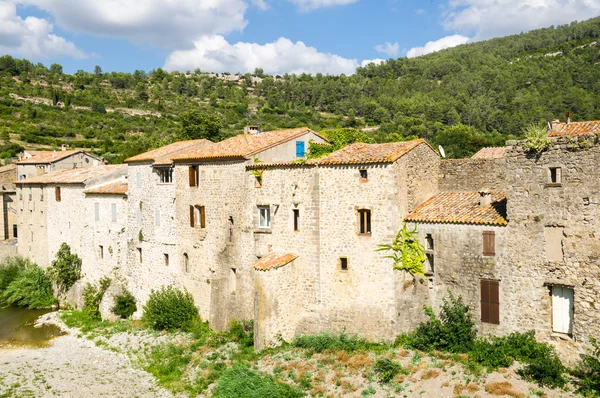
{"x":32,"y":222}
{"x":8,"y":210}
{"x":472,"y":174}
{"x":553,"y":235}
{"x":287,"y":151}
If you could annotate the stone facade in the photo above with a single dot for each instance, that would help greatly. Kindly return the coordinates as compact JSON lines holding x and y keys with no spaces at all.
{"x":472,"y":174}
{"x":35,"y":163}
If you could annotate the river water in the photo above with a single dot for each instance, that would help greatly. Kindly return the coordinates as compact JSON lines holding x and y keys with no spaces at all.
{"x":16,"y":327}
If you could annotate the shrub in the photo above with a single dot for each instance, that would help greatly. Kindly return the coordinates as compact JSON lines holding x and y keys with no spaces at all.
{"x":241,"y":381}
{"x":548,"y":371}
{"x":242,"y":332}
{"x":386,"y":369}
{"x":169,"y":309}
{"x":31,"y":288}
{"x":92,"y":296}
{"x":588,"y":371}
{"x":10,"y":269}
{"x":65,"y":270}
{"x":325,"y":341}
{"x":124,"y":305}
{"x":453,"y":331}
{"x":537,"y":138}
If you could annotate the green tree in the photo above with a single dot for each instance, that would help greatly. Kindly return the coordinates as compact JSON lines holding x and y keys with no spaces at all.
{"x":56,"y":69}
{"x":65,"y":269}
{"x":97,"y":70}
{"x":196,"y":124}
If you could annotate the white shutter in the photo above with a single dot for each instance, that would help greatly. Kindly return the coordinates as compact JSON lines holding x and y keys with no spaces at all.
{"x":97,"y":211}
{"x":562,"y":309}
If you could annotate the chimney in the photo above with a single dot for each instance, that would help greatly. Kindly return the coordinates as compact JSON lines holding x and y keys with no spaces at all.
{"x":555,"y":123}
{"x":568,"y":117}
{"x":485,"y":198}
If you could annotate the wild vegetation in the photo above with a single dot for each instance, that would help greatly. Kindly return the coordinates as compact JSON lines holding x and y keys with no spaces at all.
{"x":24,"y":284}
{"x":169,"y":309}
{"x":463,"y":98}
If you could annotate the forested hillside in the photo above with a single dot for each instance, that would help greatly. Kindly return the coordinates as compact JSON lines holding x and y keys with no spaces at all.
{"x":462,"y":98}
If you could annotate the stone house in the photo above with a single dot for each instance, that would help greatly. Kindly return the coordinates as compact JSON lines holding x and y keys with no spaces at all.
{"x":8,"y":210}
{"x":35,"y":163}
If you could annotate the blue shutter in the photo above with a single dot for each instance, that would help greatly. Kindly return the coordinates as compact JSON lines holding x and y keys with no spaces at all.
{"x":299,"y":149}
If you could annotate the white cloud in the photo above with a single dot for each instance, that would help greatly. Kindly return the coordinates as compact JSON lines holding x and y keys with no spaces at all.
{"x":215,"y":54}
{"x":432,"y":46}
{"x":165,"y":23}
{"x":388,"y":48}
{"x":493,"y":18}
{"x":309,"y":5}
{"x":261,"y":4}
{"x":375,"y":61}
{"x":31,"y":37}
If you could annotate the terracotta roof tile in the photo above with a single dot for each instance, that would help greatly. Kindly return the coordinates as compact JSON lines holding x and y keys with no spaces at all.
{"x":73,"y":176}
{"x":115,"y":187}
{"x":274,"y":261}
{"x":461,"y":208}
{"x":164,"y":155}
{"x":360,"y":153}
{"x":490,"y":153}
{"x":243,"y":146}
{"x":46,"y":156}
{"x":575,"y":128}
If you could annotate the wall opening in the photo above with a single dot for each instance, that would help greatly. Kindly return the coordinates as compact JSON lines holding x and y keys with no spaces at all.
{"x":562,"y":309}
{"x":233,"y":281}
{"x":166,"y":259}
{"x":364,"y":175}
{"x":344,"y":263}
{"x":100,"y":252}
{"x":186,"y":262}
{"x":139,"y":252}
{"x":364,"y":222}
{"x":490,"y":301}
{"x":296,"y":219}
{"x":555,"y":175}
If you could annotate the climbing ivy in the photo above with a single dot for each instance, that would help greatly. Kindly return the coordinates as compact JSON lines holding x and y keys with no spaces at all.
{"x":408,"y":254}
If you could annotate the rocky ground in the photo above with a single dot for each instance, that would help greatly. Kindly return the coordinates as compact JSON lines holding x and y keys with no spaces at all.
{"x":109,"y":365}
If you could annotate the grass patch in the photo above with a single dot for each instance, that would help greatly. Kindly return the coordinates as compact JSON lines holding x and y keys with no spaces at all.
{"x":341,"y":342}
{"x":241,"y":381}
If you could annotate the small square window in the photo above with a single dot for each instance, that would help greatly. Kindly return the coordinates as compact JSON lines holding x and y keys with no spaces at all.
{"x":264,"y":217}
{"x":364,"y":176}
{"x":344,"y":263}
{"x":166,"y":258}
{"x":555,"y":175}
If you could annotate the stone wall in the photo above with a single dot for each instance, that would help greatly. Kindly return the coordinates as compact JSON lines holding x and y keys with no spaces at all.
{"x":472,"y":174}
{"x":535,"y":207}
{"x":32,"y":203}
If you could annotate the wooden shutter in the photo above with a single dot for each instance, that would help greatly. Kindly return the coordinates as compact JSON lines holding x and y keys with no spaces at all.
{"x":202,"y":217}
{"x":191,"y":216}
{"x":57,"y":193}
{"x":192,"y":175}
{"x":489,"y":243}
{"x":490,"y":302}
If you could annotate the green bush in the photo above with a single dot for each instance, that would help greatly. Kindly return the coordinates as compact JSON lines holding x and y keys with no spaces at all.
{"x":242,"y":332}
{"x":548,"y":371}
{"x":65,"y":270}
{"x":326,"y":341}
{"x":453,"y":331}
{"x":31,"y":289}
{"x":169,"y":309}
{"x":537,"y":138}
{"x":124,"y":305}
{"x":241,"y":381}
{"x":92,"y":296}
{"x":10,"y":268}
{"x":588,"y":371}
{"x":386,"y":369}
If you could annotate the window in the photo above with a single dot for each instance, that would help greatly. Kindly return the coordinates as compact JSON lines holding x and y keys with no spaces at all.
{"x":296,"y":219}
{"x":97,"y":211}
{"x":157,"y":217}
{"x":197,"y":216}
{"x":562,"y":309}
{"x":264,"y":217}
{"x":30,"y":194}
{"x":15,"y":230}
{"x":344,"y":263}
{"x":364,"y":220}
{"x":166,"y":176}
{"x":166,"y":258}
{"x":232,"y":281}
{"x":138,"y":179}
{"x":429,"y":241}
{"x":489,"y":243}
{"x":113,"y":212}
{"x":100,"y":252}
{"x":140,"y":258}
{"x":138,"y":216}
{"x":490,"y":301}
{"x":193,"y":176}
{"x":555,"y":175}
{"x":57,"y":193}
{"x":300,"y":149}
{"x":364,"y":176}
{"x":186,"y":262}
{"x":42,"y":194}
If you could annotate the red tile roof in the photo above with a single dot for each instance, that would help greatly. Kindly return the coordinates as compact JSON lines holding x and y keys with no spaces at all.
{"x":114,"y":188}
{"x":164,"y":155}
{"x":243,"y":146}
{"x":45,"y":157}
{"x":361,"y":153}
{"x":73,"y":176}
{"x":461,"y":208}
{"x":274,"y":261}
{"x":490,"y":153}
{"x":575,"y":128}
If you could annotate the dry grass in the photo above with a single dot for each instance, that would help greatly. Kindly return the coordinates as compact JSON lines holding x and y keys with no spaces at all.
{"x":430,"y":374}
{"x":358,"y":361}
{"x":446,"y":383}
{"x":503,"y":388}
{"x":472,"y":388}
{"x":458,"y":389}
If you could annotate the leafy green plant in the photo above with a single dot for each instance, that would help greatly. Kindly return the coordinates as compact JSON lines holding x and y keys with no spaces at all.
{"x":537,"y":139}
{"x":10,"y":268}
{"x":125,"y":305}
{"x":241,"y":381}
{"x":408,"y":254}
{"x":326,"y":341}
{"x":588,"y":371}
{"x":242,"y":332}
{"x":92,"y":296}
{"x":31,"y":289}
{"x":386,"y":369}
{"x":169,"y":308}
{"x":547,"y":371}
{"x":65,"y":270}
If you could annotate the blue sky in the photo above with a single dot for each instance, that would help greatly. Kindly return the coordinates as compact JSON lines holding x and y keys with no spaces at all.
{"x":295,"y":36}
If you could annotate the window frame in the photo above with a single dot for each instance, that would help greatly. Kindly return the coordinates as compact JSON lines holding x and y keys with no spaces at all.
{"x":365,"y":222}
{"x":344,"y":264}
{"x":296,"y":219}
{"x":57,"y":194}
{"x":490,"y":308}
{"x":555,"y":175}
{"x":165,"y":175}
{"x":267,"y":210}
{"x":301,"y":144}
{"x":364,"y":175}
{"x":193,"y":176}
{"x":96,"y":211}
{"x":113,"y":212}
{"x":489,"y":243}
{"x":186,"y":263}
